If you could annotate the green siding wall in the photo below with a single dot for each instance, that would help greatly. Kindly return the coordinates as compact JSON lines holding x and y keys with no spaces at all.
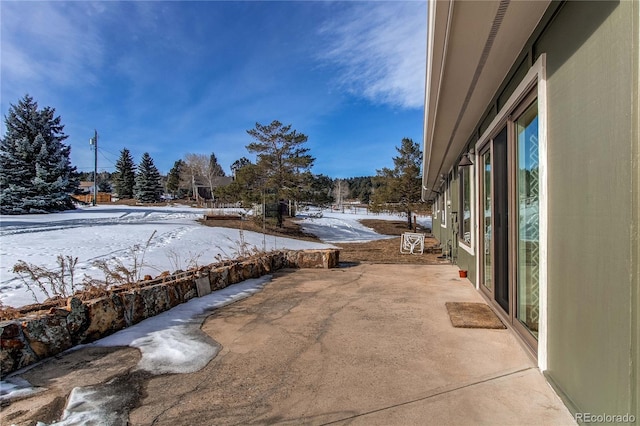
{"x":437,"y":230}
{"x":468,"y":262}
{"x":592,"y":53}
{"x":635,"y":252}
{"x":464,"y":259}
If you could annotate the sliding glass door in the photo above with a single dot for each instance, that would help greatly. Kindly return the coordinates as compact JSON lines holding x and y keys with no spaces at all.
{"x":486,"y":223}
{"x":528,"y":212}
{"x":509,"y":186}
{"x":495,"y":205}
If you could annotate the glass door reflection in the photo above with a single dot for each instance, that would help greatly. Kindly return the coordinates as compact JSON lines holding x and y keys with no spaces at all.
{"x":528,"y":187}
{"x":487,"y":268}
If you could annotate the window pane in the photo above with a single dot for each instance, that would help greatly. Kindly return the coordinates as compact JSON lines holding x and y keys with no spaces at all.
{"x":465,"y":182}
{"x":443,"y":218}
{"x":486,"y":225}
{"x":528,"y":219}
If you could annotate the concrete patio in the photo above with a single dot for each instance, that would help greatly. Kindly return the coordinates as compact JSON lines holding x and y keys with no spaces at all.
{"x":367,"y":344}
{"x":364,"y":344}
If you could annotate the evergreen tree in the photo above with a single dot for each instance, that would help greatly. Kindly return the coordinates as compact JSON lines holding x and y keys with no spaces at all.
{"x":320,"y":190}
{"x":238,"y":164}
{"x":246,"y":187}
{"x":215,"y":169}
{"x":400,"y":186}
{"x":36,"y":175}
{"x":212,"y":173}
{"x":283,"y":163}
{"x":148,"y":187}
{"x":174,"y":186}
{"x":104,"y":182}
{"x":124,"y":178}
{"x":360,"y":188}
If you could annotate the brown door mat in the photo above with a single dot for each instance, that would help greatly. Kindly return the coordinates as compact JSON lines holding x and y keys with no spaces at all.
{"x":472,"y":315}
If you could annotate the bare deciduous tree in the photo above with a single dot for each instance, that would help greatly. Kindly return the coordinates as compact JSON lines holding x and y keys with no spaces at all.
{"x":201,"y":169}
{"x":193,"y":172}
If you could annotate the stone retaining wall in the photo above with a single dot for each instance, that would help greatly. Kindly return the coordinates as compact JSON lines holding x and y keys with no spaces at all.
{"x":44,"y":333}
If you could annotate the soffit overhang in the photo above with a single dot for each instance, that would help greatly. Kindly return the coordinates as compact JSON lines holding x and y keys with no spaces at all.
{"x":472,"y":45}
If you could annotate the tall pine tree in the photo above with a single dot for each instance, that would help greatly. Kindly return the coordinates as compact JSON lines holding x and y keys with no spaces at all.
{"x":282,"y":160}
{"x":215,"y":169}
{"x":124,"y":178}
{"x":36,"y":175}
{"x":174,"y":186}
{"x":238,"y":164}
{"x":213,"y":173}
{"x":400,"y":187}
{"x":148,"y":188}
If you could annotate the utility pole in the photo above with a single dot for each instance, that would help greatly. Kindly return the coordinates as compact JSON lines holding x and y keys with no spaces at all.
{"x":94,"y":141}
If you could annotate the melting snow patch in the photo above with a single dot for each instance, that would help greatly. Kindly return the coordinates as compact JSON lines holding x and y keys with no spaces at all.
{"x":172,"y":342}
{"x":106,"y":404}
{"x":15,"y":387}
{"x":178,"y":349}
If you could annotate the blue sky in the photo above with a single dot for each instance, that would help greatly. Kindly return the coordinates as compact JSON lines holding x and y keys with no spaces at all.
{"x":172,"y":78}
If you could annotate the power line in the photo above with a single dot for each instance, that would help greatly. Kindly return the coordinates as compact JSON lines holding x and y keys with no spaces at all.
{"x":108,"y":152}
{"x":105,"y":157}
{"x":90,"y":168}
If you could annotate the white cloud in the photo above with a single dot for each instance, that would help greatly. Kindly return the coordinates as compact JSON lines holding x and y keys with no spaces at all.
{"x":380,"y":49}
{"x":49,"y":43}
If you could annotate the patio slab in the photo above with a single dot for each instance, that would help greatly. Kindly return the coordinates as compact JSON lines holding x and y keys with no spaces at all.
{"x":366,"y":344}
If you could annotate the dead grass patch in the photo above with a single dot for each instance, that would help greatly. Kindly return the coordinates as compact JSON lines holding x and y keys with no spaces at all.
{"x":290,"y":228}
{"x":388,"y":250}
{"x":380,"y":251}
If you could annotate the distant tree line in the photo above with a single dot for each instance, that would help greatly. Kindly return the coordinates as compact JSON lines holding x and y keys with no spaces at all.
{"x":36,"y":175}
{"x":130,"y":181}
{"x":360,"y":188}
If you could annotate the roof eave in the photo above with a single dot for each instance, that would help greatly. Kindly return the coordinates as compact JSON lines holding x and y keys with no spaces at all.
{"x":472,"y":47}
{"x":438,"y":24}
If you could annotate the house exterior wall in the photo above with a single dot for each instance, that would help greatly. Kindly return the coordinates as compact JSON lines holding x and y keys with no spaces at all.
{"x":445,"y":234}
{"x":443,"y":229}
{"x":437,"y":226}
{"x":467,"y":262}
{"x":635,"y":248}
{"x":592,"y":63}
{"x":591,"y":346}
{"x":592,"y":57}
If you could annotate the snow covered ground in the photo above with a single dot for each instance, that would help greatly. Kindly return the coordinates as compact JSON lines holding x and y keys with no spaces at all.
{"x":111,"y":232}
{"x":338,"y":227}
{"x":108,"y":232}
{"x":172,"y":341}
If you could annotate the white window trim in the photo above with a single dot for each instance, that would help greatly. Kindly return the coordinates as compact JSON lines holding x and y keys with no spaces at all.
{"x":537,"y":75}
{"x":472,"y":195}
{"x":445,"y":207}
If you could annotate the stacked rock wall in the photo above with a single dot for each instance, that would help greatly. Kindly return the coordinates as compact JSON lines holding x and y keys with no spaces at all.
{"x":44,"y":333}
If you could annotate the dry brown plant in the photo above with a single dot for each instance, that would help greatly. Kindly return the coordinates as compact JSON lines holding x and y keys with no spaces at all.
{"x":55,"y":282}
